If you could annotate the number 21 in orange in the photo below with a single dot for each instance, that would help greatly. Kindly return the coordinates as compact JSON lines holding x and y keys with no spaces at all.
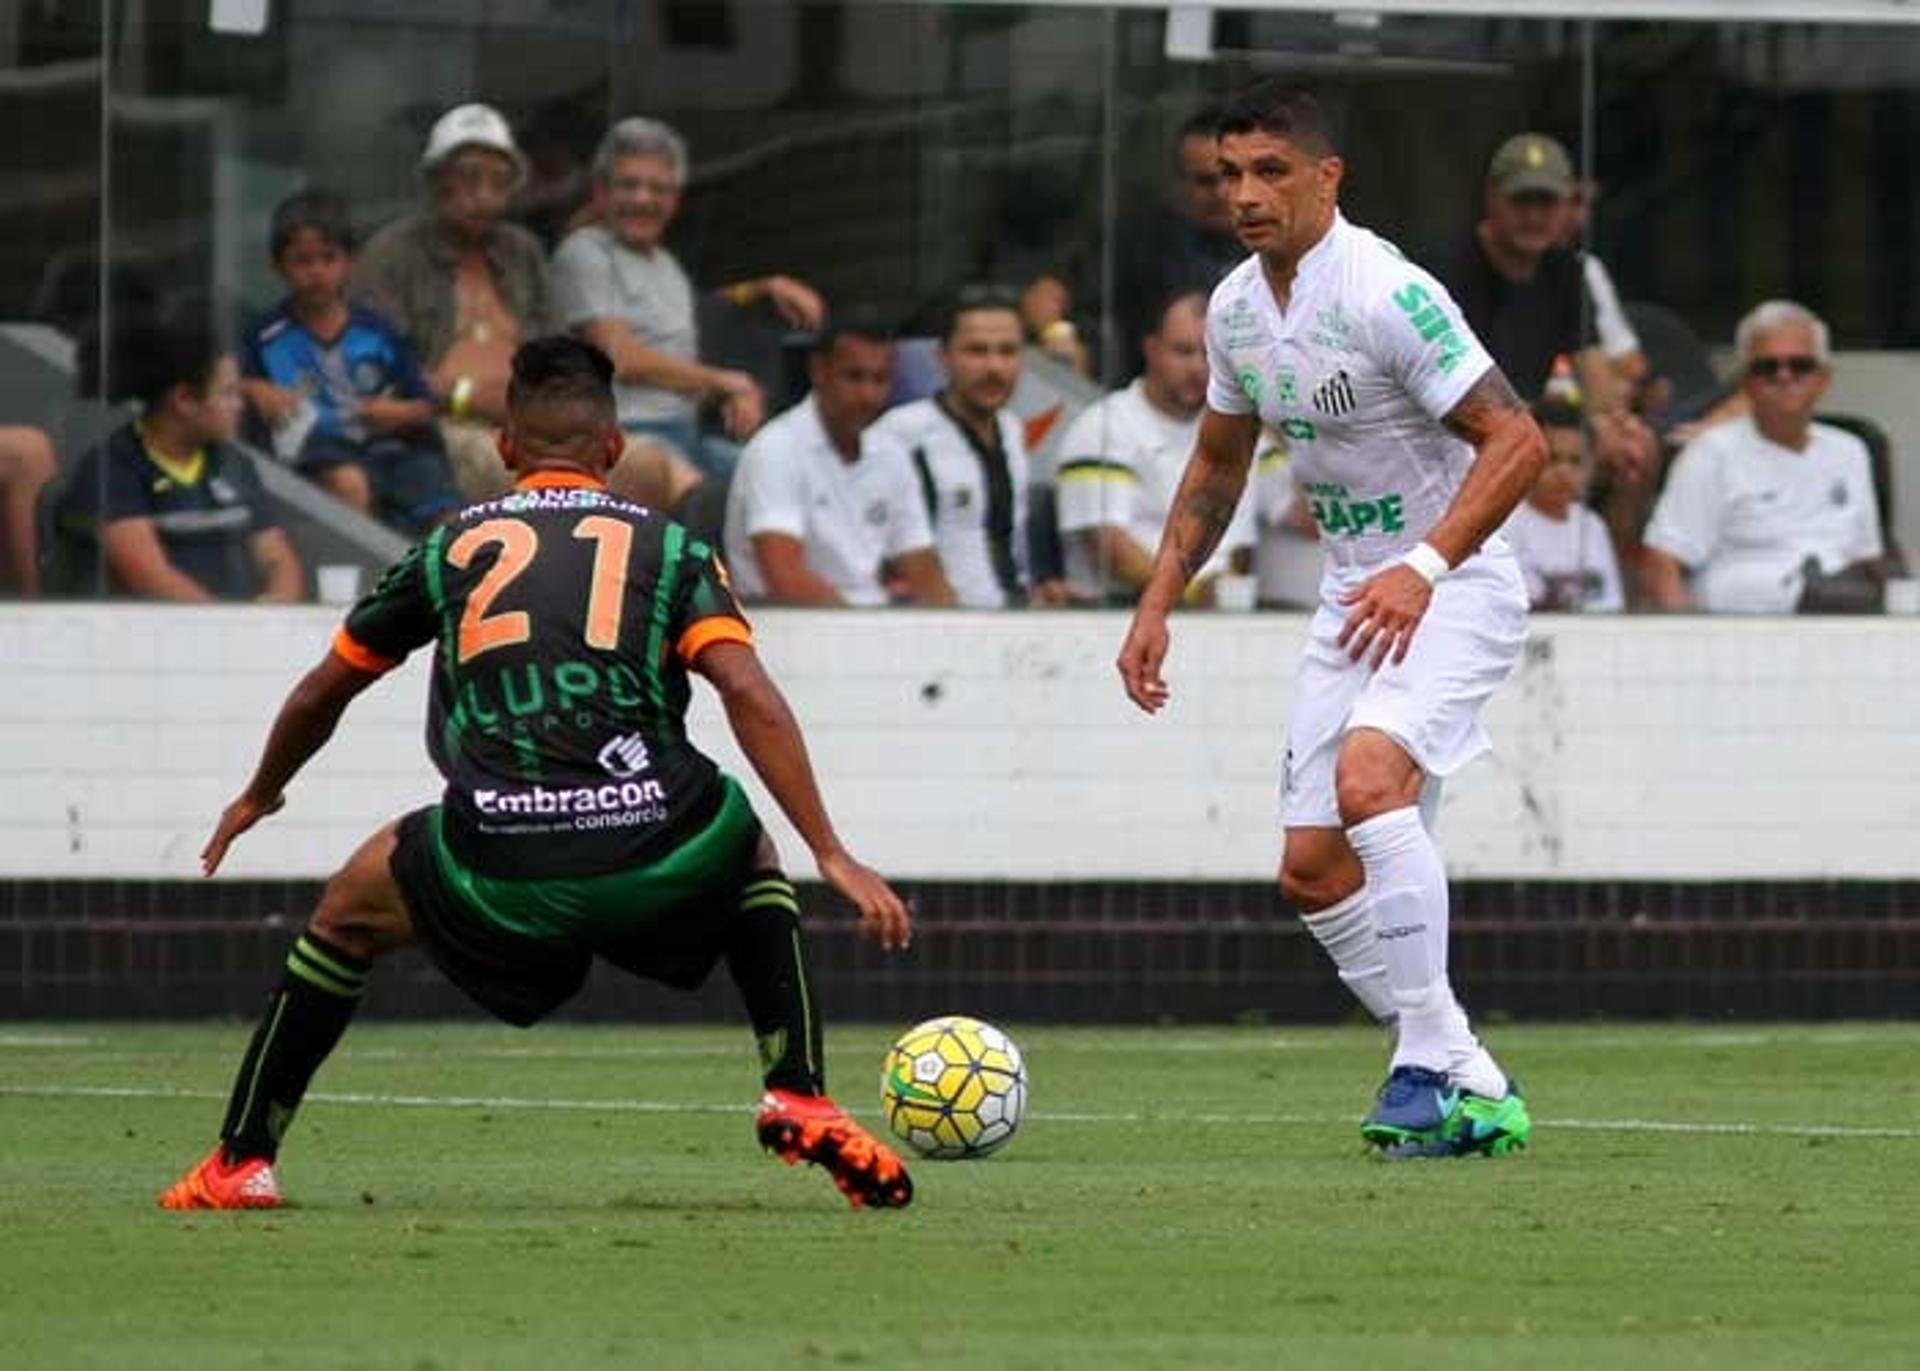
{"x":481,"y":632}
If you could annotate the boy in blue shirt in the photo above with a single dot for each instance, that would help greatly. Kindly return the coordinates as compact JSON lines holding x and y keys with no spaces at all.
{"x":338,"y":384}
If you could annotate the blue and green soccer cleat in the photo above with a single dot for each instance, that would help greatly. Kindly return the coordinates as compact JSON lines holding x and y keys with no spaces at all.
{"x":1480,"y":1127}
{"x":1415,"y":1105}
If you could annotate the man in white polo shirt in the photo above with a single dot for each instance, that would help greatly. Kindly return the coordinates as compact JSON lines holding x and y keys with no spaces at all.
{"x":824,"y":510}
{"x":1411,"y":450}
{"x":970,"y":453}
{"x":1121,"y":462}
{"x":1751,"y":502}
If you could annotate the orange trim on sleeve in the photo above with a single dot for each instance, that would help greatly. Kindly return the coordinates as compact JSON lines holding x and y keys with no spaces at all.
{"x":717,"y":628}
{"x":358,"y":655}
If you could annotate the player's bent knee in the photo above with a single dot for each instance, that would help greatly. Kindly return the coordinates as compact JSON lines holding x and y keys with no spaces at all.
{"x":1318,"y":869}
{"x":1374,"y":776}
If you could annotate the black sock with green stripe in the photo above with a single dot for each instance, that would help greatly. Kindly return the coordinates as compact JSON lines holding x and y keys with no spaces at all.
{"x":765,"y":958}
{"x":306,"y":1014}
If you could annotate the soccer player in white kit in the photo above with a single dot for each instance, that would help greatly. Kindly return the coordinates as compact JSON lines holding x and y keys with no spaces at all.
{"x":1412,"y":450}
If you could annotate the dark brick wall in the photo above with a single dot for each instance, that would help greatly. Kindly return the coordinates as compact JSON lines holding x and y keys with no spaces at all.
{"x":1077,"y":951}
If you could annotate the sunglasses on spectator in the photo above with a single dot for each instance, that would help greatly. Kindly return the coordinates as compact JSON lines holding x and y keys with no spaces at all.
{"x":1766,"y":368}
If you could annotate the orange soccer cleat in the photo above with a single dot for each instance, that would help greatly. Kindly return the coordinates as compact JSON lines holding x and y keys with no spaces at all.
{"x":812,"y":1128}
{"x":218,"y":1184}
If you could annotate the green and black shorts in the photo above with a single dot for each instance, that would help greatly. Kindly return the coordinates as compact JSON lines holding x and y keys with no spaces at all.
{"x":522,"y":948}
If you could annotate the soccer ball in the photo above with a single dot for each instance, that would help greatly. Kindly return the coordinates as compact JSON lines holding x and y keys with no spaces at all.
{"x":954,"y":1087}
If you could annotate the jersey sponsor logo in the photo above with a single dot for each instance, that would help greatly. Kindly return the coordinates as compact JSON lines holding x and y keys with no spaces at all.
{"x":1430,"y":321}
{"x":1838,"y":494}
{"x":1339,"y":514}
{"x":1332,"y":330}
{"x":1286,"y":386}
{"x":1335,"y":394}
{"x":1300,"y":430}
{"x":1250,"y":383}
{"x":540,"y":801}
{"x":1240,"y":327}
{"x":624,"y":757}
{"x":876,"y":513}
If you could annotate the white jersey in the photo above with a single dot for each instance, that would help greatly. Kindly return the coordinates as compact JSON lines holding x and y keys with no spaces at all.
{"x":1120,"y":464}
{"x":849,"y":516}
{"x":957,"y":487}
{"x":1568,"y":563}
{"x":1369,"y":355}
{"x":1743,"y":514}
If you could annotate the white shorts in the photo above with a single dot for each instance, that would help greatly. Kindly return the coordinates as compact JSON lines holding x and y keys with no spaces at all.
{"x":1468,"y":642}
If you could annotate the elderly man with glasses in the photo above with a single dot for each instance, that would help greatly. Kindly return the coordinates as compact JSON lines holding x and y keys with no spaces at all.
{"x":619,"y":285}
{"x":1765,"y":513}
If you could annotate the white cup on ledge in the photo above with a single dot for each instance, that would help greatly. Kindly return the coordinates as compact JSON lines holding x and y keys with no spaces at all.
{"x":337,"y":583}
{"x":1234,"y":593}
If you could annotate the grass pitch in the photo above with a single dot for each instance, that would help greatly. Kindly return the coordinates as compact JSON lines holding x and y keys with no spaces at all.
{"x":472,"y":1197}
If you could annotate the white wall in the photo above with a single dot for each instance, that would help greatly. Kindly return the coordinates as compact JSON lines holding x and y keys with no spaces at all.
{"x":955,"y":745}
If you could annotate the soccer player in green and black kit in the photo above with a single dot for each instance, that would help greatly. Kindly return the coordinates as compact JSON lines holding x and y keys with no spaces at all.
{"x":578,"y":818}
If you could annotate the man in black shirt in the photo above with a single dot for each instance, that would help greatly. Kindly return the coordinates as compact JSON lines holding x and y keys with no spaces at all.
{"x":1520,"y":290}
{"x":1525,"y":296}
{"x":578,"y":819}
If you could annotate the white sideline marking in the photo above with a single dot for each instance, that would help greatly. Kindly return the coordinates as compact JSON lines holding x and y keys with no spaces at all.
{"x":43,"y":1040}
{"x":510,"y":1102}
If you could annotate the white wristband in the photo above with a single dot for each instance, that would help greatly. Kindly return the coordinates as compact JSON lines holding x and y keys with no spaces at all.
{"x":1423,"y":558}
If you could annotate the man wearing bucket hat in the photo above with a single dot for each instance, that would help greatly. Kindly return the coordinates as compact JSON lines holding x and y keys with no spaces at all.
{"x":469,"y":287}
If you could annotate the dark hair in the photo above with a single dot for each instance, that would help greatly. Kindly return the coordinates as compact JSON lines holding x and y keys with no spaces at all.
{"x":1164,"y":306}
{"x":322,"y":211}
{"x":145,"y":359}
{"x":1202,"y":123}
{"x":1285,"y":111}
{"x":856,"y":322}
{"x":560,"y":367}
{"x":977,"y":299}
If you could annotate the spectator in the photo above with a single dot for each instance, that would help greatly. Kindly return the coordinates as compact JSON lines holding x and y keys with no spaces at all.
{"x":26,"y":465}
{"x":1187,"y":243}
{"x":337,"y":383}
{"x":1524,"y":295}
{"x":825,"y":510}
{"x":468,"y":287}
{"x":1769,"y":512}
{"x":1562,"y":546}
{"x":166,"y":507}
{"x":1184,"y":242}
{"x":617,"y":282}
{"x":970,"y":453}
{"x":1121,"y":461}
{"x":1618,"y":342}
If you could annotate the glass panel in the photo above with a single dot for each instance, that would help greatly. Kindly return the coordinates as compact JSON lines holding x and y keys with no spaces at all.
{"x":1743,"y":163}
{"x":50,"y":63}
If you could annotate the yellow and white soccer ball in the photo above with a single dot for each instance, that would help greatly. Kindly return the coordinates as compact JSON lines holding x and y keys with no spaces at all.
{"x":954,"y":1087}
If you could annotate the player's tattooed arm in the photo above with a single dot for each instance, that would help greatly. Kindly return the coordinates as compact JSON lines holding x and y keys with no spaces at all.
{"x":1509,"y":451}
{"x":1209,"y":492}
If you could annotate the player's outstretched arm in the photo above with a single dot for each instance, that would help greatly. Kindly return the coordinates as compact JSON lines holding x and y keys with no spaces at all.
{"x":770,"y":736}
{"x":305,"y":722}
{"x":1202,"y":508}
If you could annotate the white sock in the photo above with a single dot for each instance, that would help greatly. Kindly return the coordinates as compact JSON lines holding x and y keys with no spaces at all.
{"x":1409,"y":889}
{"x":1346,"y":931}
